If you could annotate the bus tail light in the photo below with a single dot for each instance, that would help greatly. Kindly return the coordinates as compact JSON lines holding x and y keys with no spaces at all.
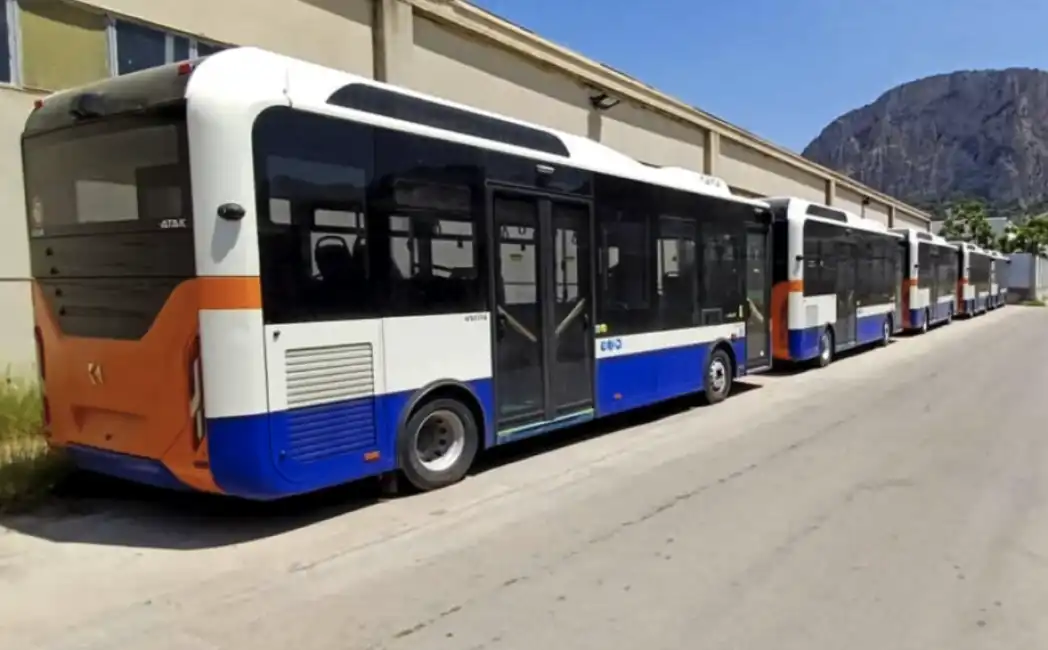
{"x":39,"y":338}
{"x":196,"y":396}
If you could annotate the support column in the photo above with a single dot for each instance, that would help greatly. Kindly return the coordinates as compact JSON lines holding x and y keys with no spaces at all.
{"x":831,"y":191}
{"x":711,"y":153}
{"x":394,"y":41}
{"x":891,"y":216}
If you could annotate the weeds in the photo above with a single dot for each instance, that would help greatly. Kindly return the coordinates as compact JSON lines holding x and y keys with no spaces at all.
{"x":29,"y":468}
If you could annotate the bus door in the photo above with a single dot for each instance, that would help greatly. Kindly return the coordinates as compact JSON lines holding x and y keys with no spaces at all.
{"x":758,"y":292}
{"x":847,"y":276}
{"x":543,"y":298}
{"x":901,"y":299}
{"x":933,"y":278}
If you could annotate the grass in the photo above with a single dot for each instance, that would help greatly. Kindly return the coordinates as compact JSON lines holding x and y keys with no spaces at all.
{"x":29,"y":468}
{"x":1032,"y":303}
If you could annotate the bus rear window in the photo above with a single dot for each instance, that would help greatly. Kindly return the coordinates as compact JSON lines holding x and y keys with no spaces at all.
{"x":127,"y":173}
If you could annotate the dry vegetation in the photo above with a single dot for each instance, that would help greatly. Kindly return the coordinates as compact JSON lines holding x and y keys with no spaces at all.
{"x":28,"y":467}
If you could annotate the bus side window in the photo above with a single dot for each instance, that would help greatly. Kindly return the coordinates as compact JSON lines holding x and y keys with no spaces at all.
{"x":427,"y":211}
{"x":311,"y":175}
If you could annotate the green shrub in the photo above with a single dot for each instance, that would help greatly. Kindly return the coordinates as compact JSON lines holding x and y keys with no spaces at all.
{"x":29,"y":468}
{"x":1032,"y":303}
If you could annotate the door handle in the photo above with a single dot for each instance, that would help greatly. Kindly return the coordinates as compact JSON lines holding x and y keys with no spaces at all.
{"x":500,"y":327}
{"x":585,"y":321}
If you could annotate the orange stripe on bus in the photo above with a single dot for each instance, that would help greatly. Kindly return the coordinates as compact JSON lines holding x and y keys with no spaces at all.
{"x":907,"y":284}
{"x":229,"y":293}
{"x":780,"y":307}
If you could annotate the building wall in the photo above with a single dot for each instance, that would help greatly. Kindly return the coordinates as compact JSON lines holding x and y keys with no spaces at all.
{"x":848,"y":200}
{"x":751,"y":171}
{"x":652,"y":138}
{"x":449,"y":65}
{"x":877,"y":212}
{"x":904,"y":220}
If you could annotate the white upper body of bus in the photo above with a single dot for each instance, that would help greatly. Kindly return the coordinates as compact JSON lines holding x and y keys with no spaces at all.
{"x":807,"y":305}
{"x":797,"y":212}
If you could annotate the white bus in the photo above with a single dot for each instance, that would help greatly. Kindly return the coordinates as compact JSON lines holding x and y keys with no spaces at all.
{"x":974,"y":279}
{"x":836,"y":281}
{"x":929,"y":280}
{"x":258,"y":276}
{"x":999,"y":263}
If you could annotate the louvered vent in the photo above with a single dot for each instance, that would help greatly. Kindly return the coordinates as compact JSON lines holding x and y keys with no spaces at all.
{"x":331,"y":401}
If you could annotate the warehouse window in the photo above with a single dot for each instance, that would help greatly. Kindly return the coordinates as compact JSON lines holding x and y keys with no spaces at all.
{"x":62,"y":45}
{"x":52,"y":45}
{"x":138,"y":47}
{"x":7,"y":40}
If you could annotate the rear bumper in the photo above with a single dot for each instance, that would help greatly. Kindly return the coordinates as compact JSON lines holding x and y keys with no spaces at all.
{"x":148,"y":471}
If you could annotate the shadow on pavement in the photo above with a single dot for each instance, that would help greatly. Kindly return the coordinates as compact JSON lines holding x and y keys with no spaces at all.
{"x":92,"y":509}
{"x":788,"y":369}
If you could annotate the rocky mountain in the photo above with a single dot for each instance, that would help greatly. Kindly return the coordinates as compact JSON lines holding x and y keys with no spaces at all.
{"x":970,"y":134}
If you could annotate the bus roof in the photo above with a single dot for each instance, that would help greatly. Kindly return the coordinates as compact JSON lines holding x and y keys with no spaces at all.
{"x":802,"y":209}
{"x":246,"y":79}
{"x":972,"y":248}
{"x":912,"y":234}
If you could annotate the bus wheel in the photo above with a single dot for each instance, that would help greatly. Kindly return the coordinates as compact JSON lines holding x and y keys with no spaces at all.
{"x":718,"y":381}
{"x":886,"y":332}
{"x":825,"y":348}
{"x":924,"y":325}
{"x":949,"y":316}
{"x":438,"y":444}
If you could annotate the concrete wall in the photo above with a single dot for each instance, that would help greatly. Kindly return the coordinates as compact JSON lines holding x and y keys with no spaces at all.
{"x":878,"y":212}
{"x":454,"y":50}
{"x":742,"y":166}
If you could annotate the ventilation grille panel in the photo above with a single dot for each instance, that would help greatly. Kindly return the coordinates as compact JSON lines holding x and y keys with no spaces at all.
{"x":331,"y":401}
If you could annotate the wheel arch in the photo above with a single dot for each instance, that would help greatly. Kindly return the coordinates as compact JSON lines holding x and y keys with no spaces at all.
{"x":452,"y":389}
{"x":729,"y":349}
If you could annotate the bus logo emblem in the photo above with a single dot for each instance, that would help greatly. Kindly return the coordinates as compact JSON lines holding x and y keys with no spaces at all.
{"x":94,"y":373}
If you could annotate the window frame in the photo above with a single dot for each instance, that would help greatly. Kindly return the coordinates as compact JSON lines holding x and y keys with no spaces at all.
{"x":112,"y":27}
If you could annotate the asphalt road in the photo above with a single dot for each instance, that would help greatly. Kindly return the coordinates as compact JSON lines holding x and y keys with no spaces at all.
{"x":894,"y":500}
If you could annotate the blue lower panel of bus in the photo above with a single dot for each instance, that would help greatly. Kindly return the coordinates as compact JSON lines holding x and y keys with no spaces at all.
{"x":804,"y":343}
{"x":147,"y":471}
{"x":939,"y":313}
{"x":272,"y":455}
{"x":635,"y":380}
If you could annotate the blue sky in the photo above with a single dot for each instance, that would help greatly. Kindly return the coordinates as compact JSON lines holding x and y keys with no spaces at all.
{"x":785,"y":68}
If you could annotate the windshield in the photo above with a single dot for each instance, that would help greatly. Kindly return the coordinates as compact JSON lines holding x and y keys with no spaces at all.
{"x":126,"y":173}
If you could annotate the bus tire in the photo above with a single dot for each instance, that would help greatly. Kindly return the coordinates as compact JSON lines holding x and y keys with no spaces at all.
{"x":886,"y":332}
{"x":718,"y":377}
{"x":927,"y":318}
{"x":825,"y":357}
{"x":438,"y":444}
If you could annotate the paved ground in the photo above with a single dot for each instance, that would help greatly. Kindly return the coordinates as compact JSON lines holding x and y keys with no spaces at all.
{"x":894,"y":500}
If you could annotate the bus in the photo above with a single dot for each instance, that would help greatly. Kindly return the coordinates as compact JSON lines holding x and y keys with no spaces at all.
{"x":836,"y":281}
{"x":974,"y":271}
{"x":260,"y":277}
{"x":999,"y":264}
{"x":929,"y":279}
